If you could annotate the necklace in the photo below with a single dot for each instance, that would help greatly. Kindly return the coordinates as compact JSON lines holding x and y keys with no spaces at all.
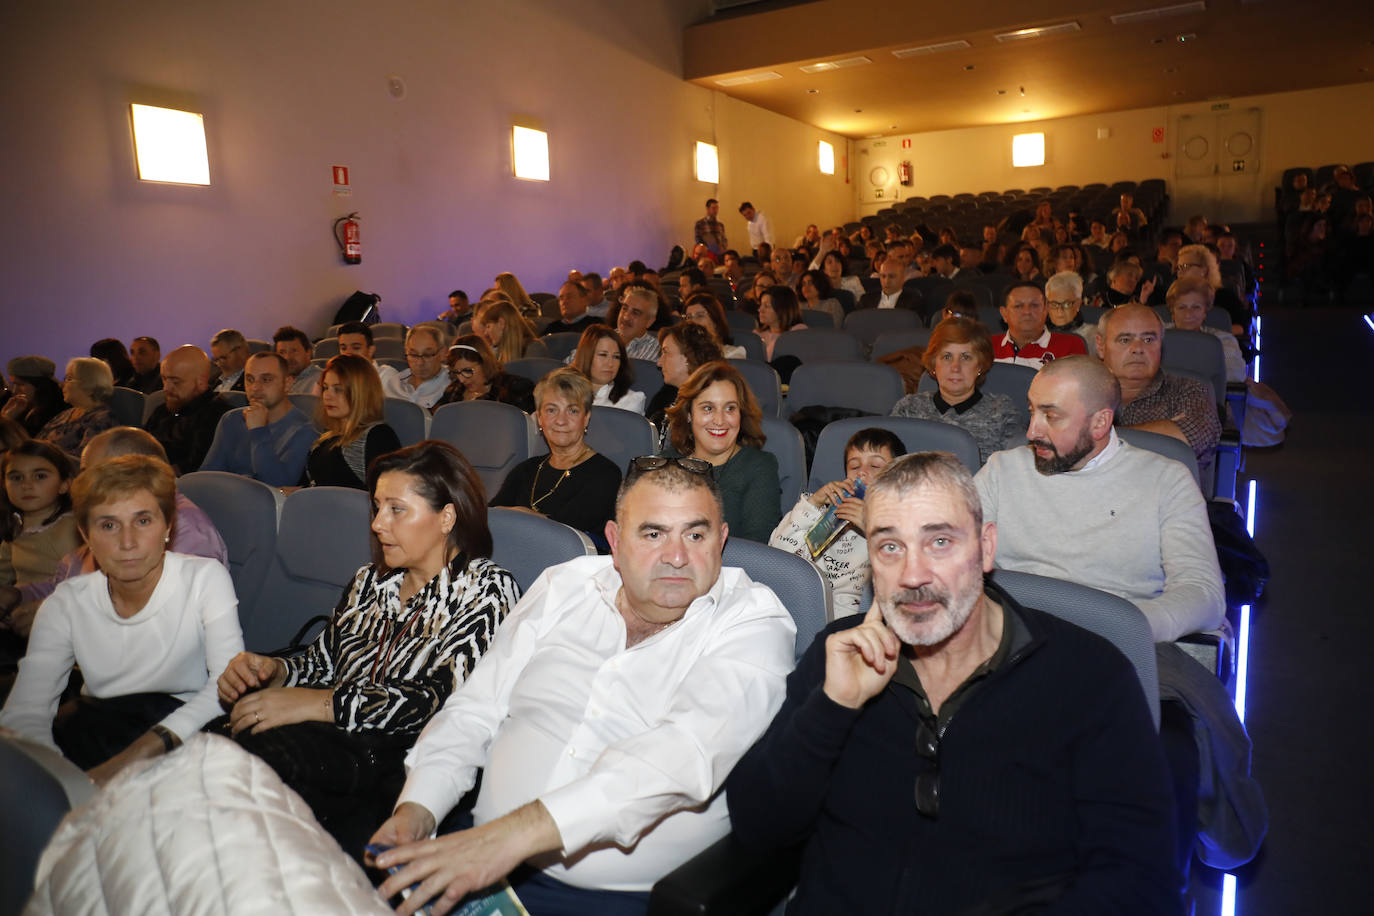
{"x":534,"y":484}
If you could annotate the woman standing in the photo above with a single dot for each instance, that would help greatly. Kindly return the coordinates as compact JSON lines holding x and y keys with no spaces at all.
{"x":336,"y":722}
{"x":601,"y":357}
{"x":717,"y":420}
{"x":572,"y":484}
{"x":88,"y":387}
{"x":350,"y":413}
{"x":147,"y":629}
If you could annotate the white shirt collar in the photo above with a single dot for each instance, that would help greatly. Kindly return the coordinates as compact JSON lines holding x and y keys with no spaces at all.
{"x":1043,"y":341}
{"x":1108,"y":452}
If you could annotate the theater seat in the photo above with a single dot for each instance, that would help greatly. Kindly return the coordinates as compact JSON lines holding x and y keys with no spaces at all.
{"x":245,"y":513}
{"x":533,"y":368}
{"x":891,"y":341}
{"x":524,"y":545}
{"x":648,"y":377}
{"x":814,"y":344}
{"x":235,"y":398}
{"x":126,"y":406}
{"x":763,"y":381}
{"x":784,"y":443}
{"x":867,"y":324}
{"x":34,"y":800}
{"x":562,"y":344}
{"x":409,"y":420}
{"x":799,"y":585}
{"x":493,"y":436}
{"x":917,"y":435}
{"x":870,"y":387}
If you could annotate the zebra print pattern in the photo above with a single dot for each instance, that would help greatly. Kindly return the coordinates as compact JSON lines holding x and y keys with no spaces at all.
{"x":392,"y":666}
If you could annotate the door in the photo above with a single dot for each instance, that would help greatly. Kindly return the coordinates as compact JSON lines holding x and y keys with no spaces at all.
{"x":1217,"y":166}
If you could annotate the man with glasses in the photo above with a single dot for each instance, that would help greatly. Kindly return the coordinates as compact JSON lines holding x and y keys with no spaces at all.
{"x":952,"y":751}
{"x":425,"y":380}
{"x":607,"y":712}
{"x":229,"y":353}
{"x":1028,"y":342}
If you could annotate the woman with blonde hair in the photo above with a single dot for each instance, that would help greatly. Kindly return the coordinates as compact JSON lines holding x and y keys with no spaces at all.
{"x":510,"y":335}
{"x":350,"y":413}
{"x":88,"y":387}
{"x":508,"y":284}
{"x":717,"y":421}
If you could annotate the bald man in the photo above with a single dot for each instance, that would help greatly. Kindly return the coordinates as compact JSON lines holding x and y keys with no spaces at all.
{"x":185,"y":424}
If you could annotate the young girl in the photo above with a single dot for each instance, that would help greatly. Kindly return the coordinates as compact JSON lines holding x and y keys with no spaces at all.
{"x":37,"y":528}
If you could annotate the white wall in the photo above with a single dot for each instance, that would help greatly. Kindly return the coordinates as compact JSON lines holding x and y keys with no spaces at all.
{"x":291,"y":89}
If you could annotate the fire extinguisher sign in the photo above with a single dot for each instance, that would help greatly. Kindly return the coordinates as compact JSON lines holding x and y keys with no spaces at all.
{"x":341,"y":186}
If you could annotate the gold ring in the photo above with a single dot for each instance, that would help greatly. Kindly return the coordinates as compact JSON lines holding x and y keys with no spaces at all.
{"x":259,"y":715}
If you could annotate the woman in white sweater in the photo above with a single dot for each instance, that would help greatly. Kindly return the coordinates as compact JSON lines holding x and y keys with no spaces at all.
{"x":147,"y":630}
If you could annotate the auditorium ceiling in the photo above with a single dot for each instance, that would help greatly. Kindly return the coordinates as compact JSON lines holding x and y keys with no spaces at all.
{"x":953,"y":70}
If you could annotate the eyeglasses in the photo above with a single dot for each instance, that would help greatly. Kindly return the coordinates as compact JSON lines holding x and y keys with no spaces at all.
{"x":1062,"y":303}
{"x":657,"y":462}
{"x":462,"y":374}
{"x":1198,"y":266}
{"x":928,"y":781}
{"x":411,"y":354}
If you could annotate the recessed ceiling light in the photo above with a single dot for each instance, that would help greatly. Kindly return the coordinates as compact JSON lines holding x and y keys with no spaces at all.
{"x":812,"y":91}
{"x":1001,"y":92}
{"x":893,"y":127}
{"x":968,"y":66}
{"x":858,"y":111}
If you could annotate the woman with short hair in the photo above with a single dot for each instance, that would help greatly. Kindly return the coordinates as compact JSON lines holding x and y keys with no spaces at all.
{"x":1189,"y":299}
{"x":148,"y":629}
{"x":717,"y":420}
{"x":355,"y":430}
{"x":336,"y":721}
{"x":958,"y":357}
{"x":573,"y":483}
{"x":88,"y":387}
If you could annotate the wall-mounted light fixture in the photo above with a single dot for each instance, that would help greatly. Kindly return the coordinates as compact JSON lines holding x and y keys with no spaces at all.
{"x":530,"y":153}
{"x":826,"y":157}
{"x":708,"y":163}
{"x":169,"y":145}
{"x":1027,"y":149}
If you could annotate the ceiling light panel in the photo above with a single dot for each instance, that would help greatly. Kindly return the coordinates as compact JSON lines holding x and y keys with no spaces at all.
{"x":923,"y":50}
{"x":1159,"y":12}
{"x":825,"y":65}
{"x":1042,"y":31}
{"x":750,"y":78}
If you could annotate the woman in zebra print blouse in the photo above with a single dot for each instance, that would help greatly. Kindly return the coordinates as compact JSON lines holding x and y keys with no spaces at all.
{"x":336,"y":721}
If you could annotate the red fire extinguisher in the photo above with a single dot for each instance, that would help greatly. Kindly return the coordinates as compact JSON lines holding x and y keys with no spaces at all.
{"x":904,"y":173}
{"x":348,"y":238}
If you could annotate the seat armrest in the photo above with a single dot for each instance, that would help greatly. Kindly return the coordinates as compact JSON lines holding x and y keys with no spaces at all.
{"x":726,"y":879}
{"x":1211,"y":649}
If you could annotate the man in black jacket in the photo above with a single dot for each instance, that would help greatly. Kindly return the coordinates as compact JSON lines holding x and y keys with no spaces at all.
{"x":892,"y":294}
{"x":954,"y":752}
{"x":185,"y":424}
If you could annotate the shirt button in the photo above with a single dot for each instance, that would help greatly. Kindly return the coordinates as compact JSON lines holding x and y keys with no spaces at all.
{"x":572,"y":753}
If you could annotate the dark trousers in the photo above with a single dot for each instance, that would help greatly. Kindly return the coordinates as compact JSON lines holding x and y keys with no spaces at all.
{"x":1180,"y":750}
{"x":89,"y":731}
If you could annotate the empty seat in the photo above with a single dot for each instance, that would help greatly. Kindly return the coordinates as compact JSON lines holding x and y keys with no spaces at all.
{"x":892,"y":341}
{"x":533,"y":368}
{"x":763,"y":381}
{"x":323,"y":538}
{"x":648,"y":377}
{"x":784,"y":443}
{"x":326,"y":348}
{"x":261,"y":346}
{"x":867,"y":324}
{"x":752,"y":344}
{"x":388,"y":330}
{"x":870,"y":387}
{"x":524,"y":545}
{"x":916,"y":435}
{"x":391,"y":348}
{"x":798,"y":584}
{"x":126,"y":406}
{"x":494,"y":437}
{"x":244,"y":511}
{"x":816,"y":318}
{"x":562,"y":344}
{"x":409,"y":420}
{"x":815,"y":344}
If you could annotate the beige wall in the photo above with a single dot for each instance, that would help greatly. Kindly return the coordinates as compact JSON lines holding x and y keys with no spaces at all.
{"x":1311,"y":127}
{"x":290,"y":89}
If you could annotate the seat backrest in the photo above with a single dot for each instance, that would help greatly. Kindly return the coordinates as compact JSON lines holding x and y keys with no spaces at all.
{"x":785,"y":444}
{"x":493,"y":436}
{"x":34,"y":804}
{"x":867,"y":324}
{"x":752,"y":344}
{"x":763,"y":381}
{"x":392,"y":330}
{"x":244,"y":511}
{"x":892,"y":341}
{"x":390,"y":348}
{"x":1114,"y":619}
{"x":533,"y":368}
{"x":409,"y":420}
{"x":322,"y":540}
{"x":305,"y":403}
{"x":151,"y":402}
{"x":870,"y":387}
{"x":234,"y":398}
{"x":620,"y":435}
{"x":648,"y":377}
{"x":916,"y":435}
{"x":816,"y":318}
{"x":798,"y":584}
{"x":126,"y":406}
{"x":1197,"y":352}
{"x":845,"y":298}
{"x":739,"y":322}
{"x":256,"y":345}
{"x":326,"y":347}
{"x":524,"y":545}
{"x":814,"y":344}
{"x":562,"y":344}
{"x":1164,"y":445}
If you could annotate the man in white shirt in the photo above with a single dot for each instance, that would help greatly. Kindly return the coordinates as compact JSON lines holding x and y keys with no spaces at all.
{"x":355,"y":339}
{"x":759,"y":228}
{"x":424,"y":381}
{"x":613,"y":702}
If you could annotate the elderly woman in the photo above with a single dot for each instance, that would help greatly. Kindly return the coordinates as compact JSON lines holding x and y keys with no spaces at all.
{"x":572,"y":484}
{"x":1064,"y":301}
{"x":508,"y":333}
{"x":35,"y":397}
{"x":683,"y":348}
{"x":1189,"y":299}
{"x":88,"y":387}
{"x":336,"y":721}
{"x":779,"y":312}
{"x":477,"y":375}
{"x":704,"y":309}
{"x":601,"y":357}
{"x":148,"y":630}
{"x":815,"y":292}
{"x":355,"y":433}
{"x":717,"y":420}
{"x":1123,"y":284}
{"x":958,"y":358}
{"x":1199,"y":262}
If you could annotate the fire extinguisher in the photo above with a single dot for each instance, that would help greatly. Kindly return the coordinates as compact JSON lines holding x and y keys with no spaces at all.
{"x":347,"y":237}
{"x":904,"y":173}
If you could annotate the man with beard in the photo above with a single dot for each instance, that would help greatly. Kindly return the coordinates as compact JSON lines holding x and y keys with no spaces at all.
{"x":1082,"y":504}
{"x":955,"y":752}
{"x":185,"y":423}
